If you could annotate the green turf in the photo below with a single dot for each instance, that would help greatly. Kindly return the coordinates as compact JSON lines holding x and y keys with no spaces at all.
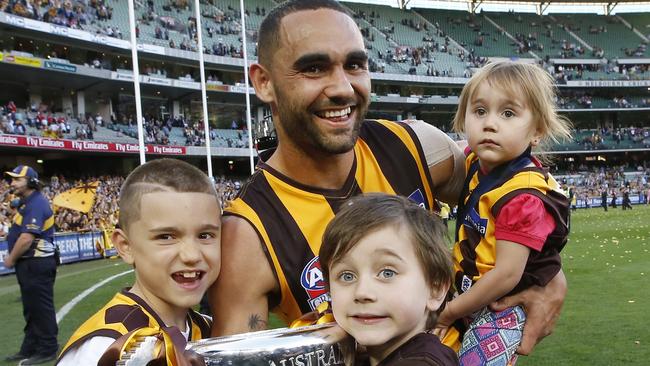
{"x":71,"y":280}
{"x":606,"y":264}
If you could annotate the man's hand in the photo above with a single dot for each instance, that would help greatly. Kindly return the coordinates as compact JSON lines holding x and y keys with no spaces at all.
{"x":8,"y":262}
{"x":542,"y":306}
{"x":22,"y":244}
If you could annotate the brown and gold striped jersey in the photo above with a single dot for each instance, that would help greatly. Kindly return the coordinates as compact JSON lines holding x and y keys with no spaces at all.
{"x":290,"y":217}
{"x":126,"y":312}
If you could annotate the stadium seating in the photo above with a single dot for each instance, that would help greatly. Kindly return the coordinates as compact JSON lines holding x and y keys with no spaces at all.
{"x":538,"y":33}
{"x":487,"y":34}
{"x":640,"y":22}
{"x":408,"y":30}
{"x":472,"y":31}
{"x":605,"y":32}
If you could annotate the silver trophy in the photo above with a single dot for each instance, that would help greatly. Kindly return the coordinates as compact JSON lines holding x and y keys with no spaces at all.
{"x":316,"y":345}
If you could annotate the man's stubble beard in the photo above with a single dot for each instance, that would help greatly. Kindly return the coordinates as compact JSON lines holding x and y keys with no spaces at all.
{"x":299,"y":126}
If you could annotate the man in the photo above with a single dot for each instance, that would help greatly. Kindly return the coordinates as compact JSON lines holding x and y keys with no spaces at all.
{"x":32,"y":253}
{"x":313,"y":71}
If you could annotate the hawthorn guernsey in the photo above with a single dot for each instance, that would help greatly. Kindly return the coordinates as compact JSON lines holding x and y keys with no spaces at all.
{"x":313,"y":282}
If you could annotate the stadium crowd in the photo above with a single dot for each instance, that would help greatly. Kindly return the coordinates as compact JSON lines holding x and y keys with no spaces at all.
{"x":41,"y":121}
{"x":68,"y":13}
{"x":104,"y":212}
{"x":604,"y":137}
{"x":586,"y":181}
{"x":590,"y":181}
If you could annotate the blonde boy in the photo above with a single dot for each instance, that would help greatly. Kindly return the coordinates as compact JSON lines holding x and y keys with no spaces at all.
{"x":388,"y":269}
{"x":169,"y":230}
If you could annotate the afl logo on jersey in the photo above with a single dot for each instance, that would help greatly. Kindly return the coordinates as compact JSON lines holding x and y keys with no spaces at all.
{"x":418,"y":198}
{"x":313,"y":282}
{"x":312,"y":276}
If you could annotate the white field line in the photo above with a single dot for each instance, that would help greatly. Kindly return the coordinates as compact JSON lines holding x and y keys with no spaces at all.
{"x":71,"y":304}
{"x":12,"y":288}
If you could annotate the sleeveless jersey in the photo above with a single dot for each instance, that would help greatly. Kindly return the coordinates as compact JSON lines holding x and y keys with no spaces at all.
{"x":475,"y":249}
{"x":124,"y":313}
{"x":290,"y":218}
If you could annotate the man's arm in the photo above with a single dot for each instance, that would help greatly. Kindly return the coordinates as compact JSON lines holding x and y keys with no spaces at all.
{"x":543,"y":306}
{"x":445,"y":160}
{"x":22,"y":245}
{"x":238,"y":298}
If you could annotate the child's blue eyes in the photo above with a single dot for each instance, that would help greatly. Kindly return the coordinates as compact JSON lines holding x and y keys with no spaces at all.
{"x":383,"y":274}
{"x":387,"y":273}
{"x":346,"y":277}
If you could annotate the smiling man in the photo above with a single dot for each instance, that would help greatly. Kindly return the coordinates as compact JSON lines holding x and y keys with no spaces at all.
{"x":313,"y":72}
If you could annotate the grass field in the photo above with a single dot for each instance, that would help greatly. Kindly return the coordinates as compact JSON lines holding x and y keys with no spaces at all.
{"x":606,"y":263}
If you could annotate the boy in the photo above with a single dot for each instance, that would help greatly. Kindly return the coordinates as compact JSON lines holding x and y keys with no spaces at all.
{"x":388,"y":272}
{"x":169,"y":230}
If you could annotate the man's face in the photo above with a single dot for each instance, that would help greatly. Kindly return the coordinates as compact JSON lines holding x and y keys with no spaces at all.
{"x":320,"y":81}
{"x":19,"y":186}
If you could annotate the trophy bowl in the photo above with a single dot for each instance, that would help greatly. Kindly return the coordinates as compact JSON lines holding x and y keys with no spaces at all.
{"x":316,"y":345}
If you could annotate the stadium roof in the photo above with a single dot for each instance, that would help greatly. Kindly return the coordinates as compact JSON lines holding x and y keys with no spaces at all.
{"x":581,"y":2}
{"x":603,"y":5}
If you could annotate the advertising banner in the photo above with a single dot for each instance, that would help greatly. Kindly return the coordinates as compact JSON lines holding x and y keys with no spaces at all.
{"x":59,"y":66}
{"x":74,"y":247}
{"x":23,"y":60}
{"x":85,"y":145}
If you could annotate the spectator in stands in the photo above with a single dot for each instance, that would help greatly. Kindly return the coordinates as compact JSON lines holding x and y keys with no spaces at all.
{"x":19,"y":128}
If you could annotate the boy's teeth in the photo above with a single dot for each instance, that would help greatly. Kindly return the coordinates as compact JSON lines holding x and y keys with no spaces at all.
{"x":339,"y":113}
{"x":190,"y":274}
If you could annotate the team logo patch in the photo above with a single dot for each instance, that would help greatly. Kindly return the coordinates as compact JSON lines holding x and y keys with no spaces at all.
{"x":313,"y":282}
{"x":465,"y":284}
{"x":418,"y":198}
{"x":473,"y":220}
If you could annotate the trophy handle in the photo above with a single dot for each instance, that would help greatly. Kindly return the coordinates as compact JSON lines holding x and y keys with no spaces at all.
{"x":150,"y":347}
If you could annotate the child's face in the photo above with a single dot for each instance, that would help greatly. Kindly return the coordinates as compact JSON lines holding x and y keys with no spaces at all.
{"x":175,"y":247}
{"x":499,"y":127}
{"x":379,"y":293}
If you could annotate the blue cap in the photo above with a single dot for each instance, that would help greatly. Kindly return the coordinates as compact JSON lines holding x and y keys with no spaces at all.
{"x":23,"y":171}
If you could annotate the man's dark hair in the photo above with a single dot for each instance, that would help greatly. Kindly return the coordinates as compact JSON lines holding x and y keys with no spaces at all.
{"x":269,"y":35}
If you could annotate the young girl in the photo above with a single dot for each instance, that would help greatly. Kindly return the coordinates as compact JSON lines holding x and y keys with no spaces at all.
{"x":512,"y":216}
